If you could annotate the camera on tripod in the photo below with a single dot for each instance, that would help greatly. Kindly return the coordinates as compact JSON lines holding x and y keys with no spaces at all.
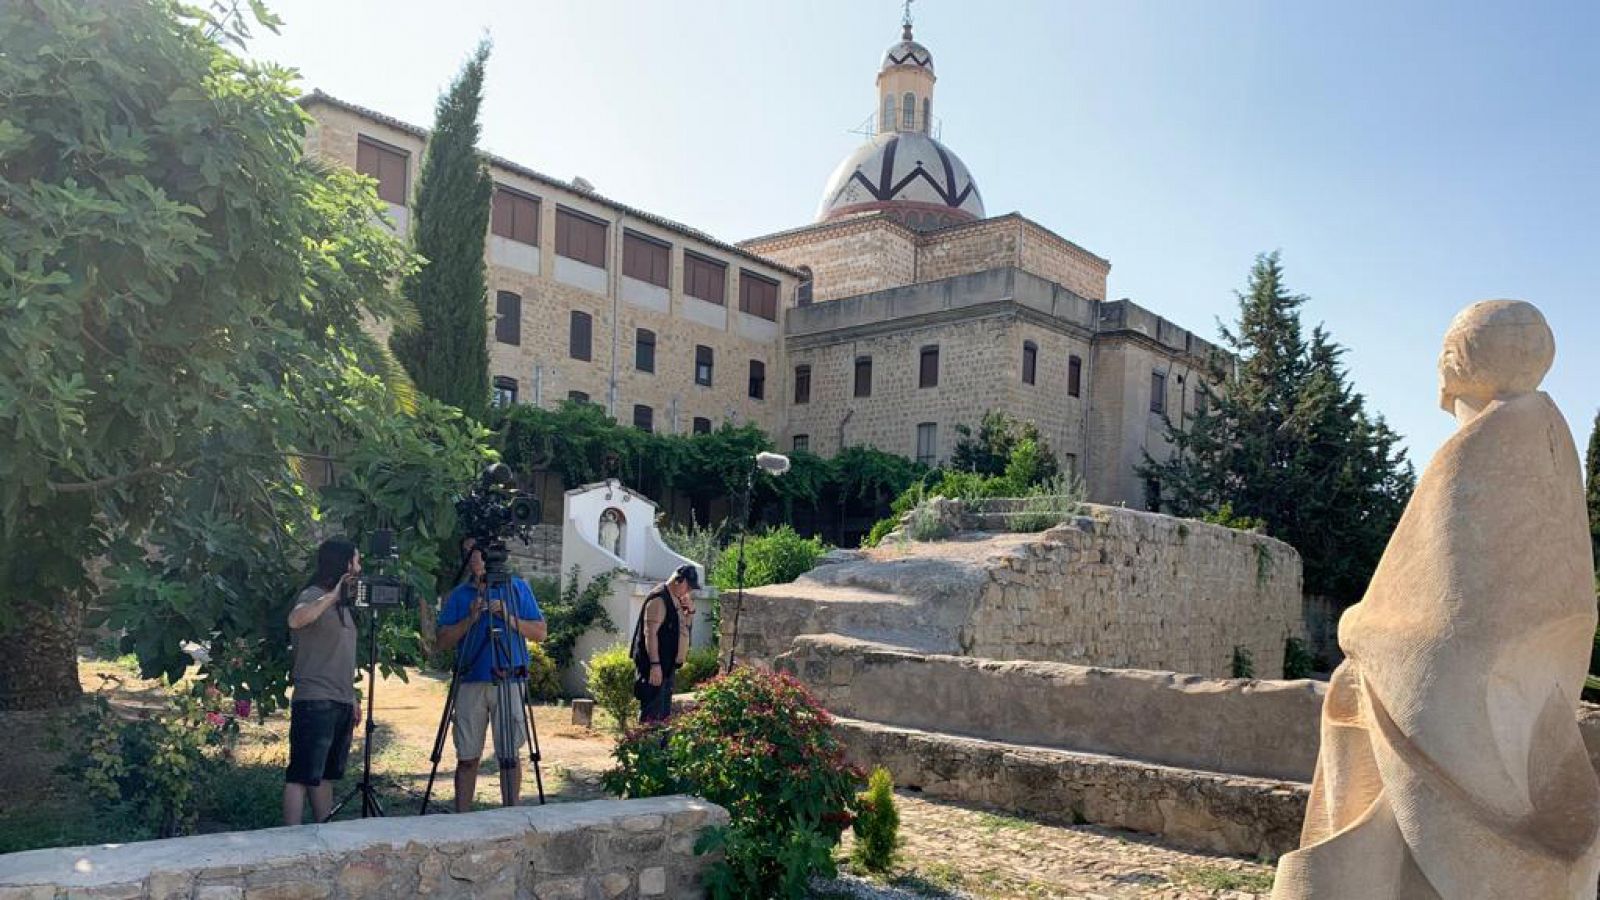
{"x":494,"y":510}
{"x":378,"y":591}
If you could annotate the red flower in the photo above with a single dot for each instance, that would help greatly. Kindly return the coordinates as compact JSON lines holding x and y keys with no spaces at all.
{"x":241,"y":708}
{"x":215,"y":718}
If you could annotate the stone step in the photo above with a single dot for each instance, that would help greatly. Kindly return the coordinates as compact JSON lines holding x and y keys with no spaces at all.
{"x":1204,"y":811}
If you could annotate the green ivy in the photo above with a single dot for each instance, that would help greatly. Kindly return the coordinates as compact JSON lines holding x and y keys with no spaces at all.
{"x":581,"y":607}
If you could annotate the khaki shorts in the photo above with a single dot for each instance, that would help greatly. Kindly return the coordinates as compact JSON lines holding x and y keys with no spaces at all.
{"x":476,"y":703}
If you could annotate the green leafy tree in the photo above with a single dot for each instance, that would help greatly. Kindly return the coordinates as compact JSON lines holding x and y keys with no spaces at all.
{"x":183,"y":368}
{"x":447,"y":351}
{"x":1592,"y":486}
{"x":989,"y":450}
{"x":1286,"y":439}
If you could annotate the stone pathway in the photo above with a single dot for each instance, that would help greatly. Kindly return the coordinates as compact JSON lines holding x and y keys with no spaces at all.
{"x":952,"y":851}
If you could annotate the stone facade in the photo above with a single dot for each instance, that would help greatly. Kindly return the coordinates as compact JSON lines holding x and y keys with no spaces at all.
{"x":1263,"y":729}
{"x":552,"y":287}
{"x":1113,"y":587}
{"x":569,"y":851}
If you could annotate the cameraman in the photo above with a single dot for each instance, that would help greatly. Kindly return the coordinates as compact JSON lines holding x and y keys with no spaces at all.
{"x":324,"y":709}
{"x":465,"y":618}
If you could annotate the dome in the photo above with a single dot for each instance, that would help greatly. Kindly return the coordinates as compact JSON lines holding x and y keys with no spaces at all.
{"x":907,"y":53}
{"x":908,"y":175}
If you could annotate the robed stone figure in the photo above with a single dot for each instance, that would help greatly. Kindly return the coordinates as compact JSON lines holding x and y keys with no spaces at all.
{"x":1451,"y":766}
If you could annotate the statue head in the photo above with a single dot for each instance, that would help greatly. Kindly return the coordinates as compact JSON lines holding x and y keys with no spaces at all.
{"x":1494,"y":349}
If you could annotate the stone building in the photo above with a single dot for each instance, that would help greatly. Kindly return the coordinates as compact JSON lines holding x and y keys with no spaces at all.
{"x":901,"y":312}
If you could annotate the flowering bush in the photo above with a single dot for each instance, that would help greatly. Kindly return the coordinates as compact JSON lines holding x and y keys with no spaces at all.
{"x":760,"y":746}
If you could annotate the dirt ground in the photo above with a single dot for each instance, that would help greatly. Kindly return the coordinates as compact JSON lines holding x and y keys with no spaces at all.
{"x":950,"y":850}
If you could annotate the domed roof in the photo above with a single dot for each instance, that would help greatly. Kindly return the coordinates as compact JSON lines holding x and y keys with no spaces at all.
{"x":907,"y":174}
{"x":907,"y":53}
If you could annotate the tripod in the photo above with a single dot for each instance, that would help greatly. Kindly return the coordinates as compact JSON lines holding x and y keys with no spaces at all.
{"x":369,"y":797}
{"x":510,"y":681}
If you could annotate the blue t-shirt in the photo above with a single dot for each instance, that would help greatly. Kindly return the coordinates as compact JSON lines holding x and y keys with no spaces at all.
{"x":475,"y":649}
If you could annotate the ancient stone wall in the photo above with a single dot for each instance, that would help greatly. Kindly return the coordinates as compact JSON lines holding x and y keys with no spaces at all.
{"x":1266,"y":729}
{"x":600,"y":849}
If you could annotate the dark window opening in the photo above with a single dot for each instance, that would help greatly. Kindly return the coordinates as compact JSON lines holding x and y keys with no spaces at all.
{"x":1158,"y":392}
{"x":928,"y":375}
{"x":577,"y":396}
{"x":863,"y":376}
{"x":644,"y":350}
{"x":505,"y":391}
{"x":580,"y":340}
{"x":758,"y":380}
{"x":702,"y":425}
{"x":802,"y":443}
{"x":1074,"y":377}
{"x":802,"y":294}
{"x":507,"y":318}
{"x":1030,"y":362}
{"x":802,"y":384}
{"x":643,"y":417}
{"x":702,"y":365}
{"x":927,"y":443}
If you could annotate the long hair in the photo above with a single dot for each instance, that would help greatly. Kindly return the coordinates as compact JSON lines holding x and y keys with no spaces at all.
{"x":333,"y":561}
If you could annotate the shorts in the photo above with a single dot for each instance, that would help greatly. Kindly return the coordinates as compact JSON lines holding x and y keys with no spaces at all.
{"x":319,"y":740}
{"x":476,"y":705}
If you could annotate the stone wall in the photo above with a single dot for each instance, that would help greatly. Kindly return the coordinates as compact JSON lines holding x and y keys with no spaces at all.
{"x":1265,"y":729}
{"x":566,"y":851}
{"x":1200,"y":810}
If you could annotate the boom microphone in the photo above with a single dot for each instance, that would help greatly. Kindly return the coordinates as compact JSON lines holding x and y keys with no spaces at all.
{"x":775,"y":463}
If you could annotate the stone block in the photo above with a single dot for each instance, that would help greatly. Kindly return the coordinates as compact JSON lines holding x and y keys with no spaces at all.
{"x":653,"y":882}
{"x":561,"y":889}
{"x":615,"y":884}
{"x":643,"y":823}
{"x":583,"y":713}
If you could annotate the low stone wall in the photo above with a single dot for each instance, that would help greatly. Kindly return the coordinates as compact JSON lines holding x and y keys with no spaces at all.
{"x":1265,"y":729}
{"x":572,"y":851}
{"x":1199,"y":810}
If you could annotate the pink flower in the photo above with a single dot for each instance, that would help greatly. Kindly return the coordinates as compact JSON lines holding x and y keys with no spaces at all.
{"x":215,"y":719}
{"x":241,"y":708}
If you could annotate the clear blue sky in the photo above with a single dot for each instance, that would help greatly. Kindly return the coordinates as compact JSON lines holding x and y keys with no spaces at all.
{"x":1406,"y":159}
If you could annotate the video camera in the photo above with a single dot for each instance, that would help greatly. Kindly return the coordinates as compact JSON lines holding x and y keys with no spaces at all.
{"x":493,"y":510}
{"x":378,"y":591}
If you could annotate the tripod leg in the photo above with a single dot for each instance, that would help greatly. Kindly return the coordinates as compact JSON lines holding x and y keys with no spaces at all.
{"x":534,"y":755}
{"x":438,"y":738}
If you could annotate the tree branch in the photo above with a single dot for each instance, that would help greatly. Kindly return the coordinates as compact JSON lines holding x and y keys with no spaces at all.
{"x":83,"y":487}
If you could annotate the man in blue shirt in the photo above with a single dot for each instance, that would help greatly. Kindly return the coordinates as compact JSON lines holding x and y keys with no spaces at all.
{"x":466,"y":618}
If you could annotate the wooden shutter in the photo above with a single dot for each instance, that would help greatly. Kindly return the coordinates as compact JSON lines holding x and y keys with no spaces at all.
{"x":758,"y":296}
{"x":929,"y":375}
{"x":514,"y":215}
{"x":581,"y":339}
{"x":645,"y":258}
{"x":386,"y":164}
{"x":705,"y":278}
{"x":864,"y":376}
{"x":580,"y":237}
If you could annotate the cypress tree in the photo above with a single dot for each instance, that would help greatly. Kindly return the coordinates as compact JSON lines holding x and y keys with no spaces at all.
{"x":1286,"y":440}
{"x":446,"y":350}
{"x":1592,"y":481}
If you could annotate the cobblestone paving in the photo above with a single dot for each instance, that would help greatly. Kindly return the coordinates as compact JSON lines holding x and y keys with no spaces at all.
{"x":951,"y":851}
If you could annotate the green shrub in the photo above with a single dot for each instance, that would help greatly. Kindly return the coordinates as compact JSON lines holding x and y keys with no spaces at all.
{"x":1297,"y":659}
{"x":701,"y":543}
{"x":758,"y":745}
{"x":147,"y":770}
{"x":1048,"y":504}
{"x":923,"y":523}
{"x":610,"y":676}
{"x":544,"y":676}
{"x":1224,"y":516}
{"x":578,"y":608}
{"x":1243,"y":665}
{"x":700,"y":667}
{"x":877,"y":825}
{"x":776,"y":557}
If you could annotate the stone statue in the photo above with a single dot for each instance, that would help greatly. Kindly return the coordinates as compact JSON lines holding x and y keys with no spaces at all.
{"x":1451,"y":765}
{"x":611,"y":532}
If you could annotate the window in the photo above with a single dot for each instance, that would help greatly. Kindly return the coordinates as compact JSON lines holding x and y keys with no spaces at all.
{"x":863,"y":376}
{"x":927,"y":114}
{"x":581,"y":338}
{"x":888,"y":113}
{"x":1158,"y":392}
{"x":702,"y":365}
{"x":385,"y":163}
{"x":802,"y":293}
{"x":514,"y":215}
{"x":702,"y":425}
{"x":507,"y":318}
{"x":928,"y":374}
{"x":580,"y":237}
{"x":1030,"y":362}
{"x":758,"y":380}
{"x":644,"y":350}
{"x":1074,"y":376}
{"x":505,"y":391}
{"x":705,"y":278}
{"x":758,"y":296}
{"x":908,"y":111}
{"x":802,"y":384}
{"x":645,"y":258}
{"x":802,"y":443}
{"x":577,"y":397}
{"x":927,"y":443}
{"x":643,"y":417}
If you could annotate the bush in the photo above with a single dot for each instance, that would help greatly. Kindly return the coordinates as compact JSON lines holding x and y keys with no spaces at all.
{"x":1243,"y":665}
{"x":578,"y":608}
{"x":1297,"y":659}
{"x":760,"y":746}
{"x":1048,"y":504}
{"x":700,"y":667}
{"x":776,"y":557}
{"x":610,"y":676}
{"x":877,"y":825}
{"x":145,"y":770}
{"x":544,"y":676}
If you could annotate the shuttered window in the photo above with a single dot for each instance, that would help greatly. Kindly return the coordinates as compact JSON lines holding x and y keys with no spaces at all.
{"x":1158,"y":392}
{"x":1030,"y":362}
{"x":580,"y":341}
{"x":514,"y":215}
{"x":928,"y":371}
{"x":507,"y":318}
{"x":758,"y":296}
{"x":705,"y":278}
{"x":644,"y":350}
{"x":702,"y":365}
{"x":385,"y":163}
{"x":802,"y":384}
{"x":580,"y":237}
{"x":863,"y":376}
{"x":645,"y":258}
{"x":927,"y":443}
{"x":1074,"y":376}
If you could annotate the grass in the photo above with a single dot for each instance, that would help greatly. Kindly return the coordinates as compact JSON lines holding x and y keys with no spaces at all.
{"x":1218,"y":879}
{"x":992,"y":823}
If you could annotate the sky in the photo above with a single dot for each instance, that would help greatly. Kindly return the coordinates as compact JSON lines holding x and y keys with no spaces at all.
{"x":1405,"y":159}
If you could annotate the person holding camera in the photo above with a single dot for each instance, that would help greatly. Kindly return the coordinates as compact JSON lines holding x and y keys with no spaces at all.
{"x":661,"y":641}
{"x":490,"y":628}
{"x":324,"y":709}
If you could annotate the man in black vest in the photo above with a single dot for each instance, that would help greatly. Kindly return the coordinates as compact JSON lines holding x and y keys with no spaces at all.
{"x":661,"y":641}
